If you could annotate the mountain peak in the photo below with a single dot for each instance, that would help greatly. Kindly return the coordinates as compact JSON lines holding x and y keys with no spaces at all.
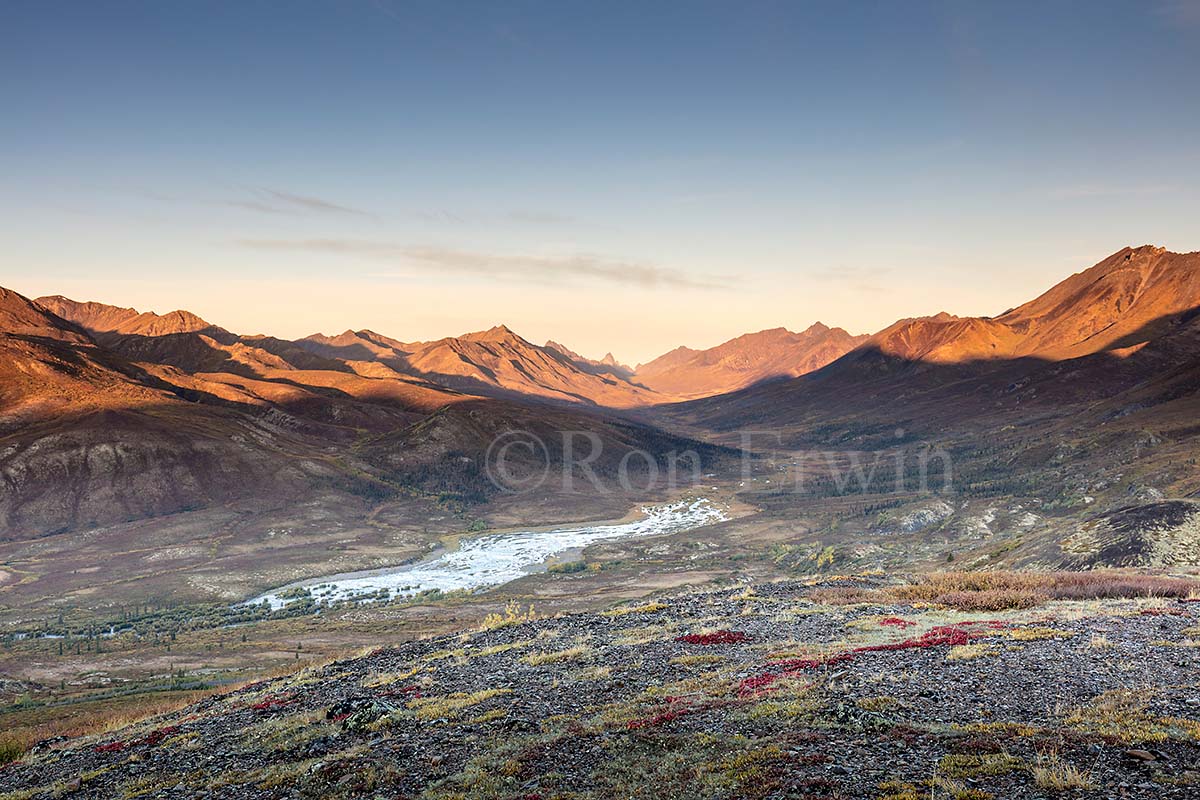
{"x":745,"y":360}
{"x":498,"y":333}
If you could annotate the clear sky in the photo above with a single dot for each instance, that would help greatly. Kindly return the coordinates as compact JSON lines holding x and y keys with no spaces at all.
{"x":615,"y":176}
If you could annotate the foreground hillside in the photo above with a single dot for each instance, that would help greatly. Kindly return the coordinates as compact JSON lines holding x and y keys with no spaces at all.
{"x":960,"y":686}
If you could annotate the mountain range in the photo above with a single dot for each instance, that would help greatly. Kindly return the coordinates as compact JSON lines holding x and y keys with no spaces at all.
{"x":109,"y":415}
{"x":1128,"y":320}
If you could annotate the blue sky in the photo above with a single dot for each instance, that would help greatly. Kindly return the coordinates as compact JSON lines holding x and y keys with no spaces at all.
{"x":621,"y":176}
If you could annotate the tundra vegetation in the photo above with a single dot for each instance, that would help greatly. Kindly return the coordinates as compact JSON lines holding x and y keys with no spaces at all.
{"x":830,"y":687}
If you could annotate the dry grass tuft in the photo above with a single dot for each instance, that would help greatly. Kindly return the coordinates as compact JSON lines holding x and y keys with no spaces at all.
{"x":957,"y":791}
{"x":1051,"y":772}
{"x":848,"y":596}
{"x":961,"y":765}
{"x":880,"y":704}
{"x":898,"y":790}
{"x":1000,"y":590}
{"x":1119,"y":715}
{"x":513,"y":615}
{"x":648,"y":608}
{"x":969,"y":652}
{"x":570,"y":654}
{"x":450,"y":706}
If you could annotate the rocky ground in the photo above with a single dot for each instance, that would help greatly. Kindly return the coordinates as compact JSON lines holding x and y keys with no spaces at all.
{"x":779,"y":690}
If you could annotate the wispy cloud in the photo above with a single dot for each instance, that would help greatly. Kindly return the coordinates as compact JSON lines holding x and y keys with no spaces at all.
{"x":533,"y":268}
{"x":275,"y":201}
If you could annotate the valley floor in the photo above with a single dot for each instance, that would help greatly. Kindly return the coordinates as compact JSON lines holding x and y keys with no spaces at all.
{"x":837,"y":688}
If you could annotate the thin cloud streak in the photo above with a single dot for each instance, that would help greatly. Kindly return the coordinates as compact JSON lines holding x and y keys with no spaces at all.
{"x":276,"y":201}
{"x":531,"y":268}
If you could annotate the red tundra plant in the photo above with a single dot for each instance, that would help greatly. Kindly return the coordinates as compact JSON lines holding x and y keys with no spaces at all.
{"x":757,"y":684}
{"x":156,"y":736}
{"x":942,"y":635}
{"x":897,"y":622}
{"x":151,"y":739}
{"x":1162,"y":612}
{"x":656,"y":719}
{"x":790,"y":668}
{"x":271,"y":703}
{"x":718,"y":637}
{"x":676,"y":707}
{"x":795,"y":665}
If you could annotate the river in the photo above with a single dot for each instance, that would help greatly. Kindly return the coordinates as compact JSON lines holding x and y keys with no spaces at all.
{"x":491,"y":560}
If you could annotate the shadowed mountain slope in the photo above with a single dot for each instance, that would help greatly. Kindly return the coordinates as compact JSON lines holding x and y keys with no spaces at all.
{"x":1127,"y":320}
{"x":147,"y":416}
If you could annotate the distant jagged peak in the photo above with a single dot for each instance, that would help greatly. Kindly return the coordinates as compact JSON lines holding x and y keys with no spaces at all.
{"x":561,"y":348}
{"x":344,"y":338}
{"x":609,"y":360}
{"x":944,"y":316}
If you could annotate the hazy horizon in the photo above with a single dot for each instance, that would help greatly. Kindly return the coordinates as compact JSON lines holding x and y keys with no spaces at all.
{"x":626,"y":181}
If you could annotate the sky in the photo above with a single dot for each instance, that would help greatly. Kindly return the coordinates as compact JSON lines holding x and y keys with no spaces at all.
{"x":616,"y":176}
